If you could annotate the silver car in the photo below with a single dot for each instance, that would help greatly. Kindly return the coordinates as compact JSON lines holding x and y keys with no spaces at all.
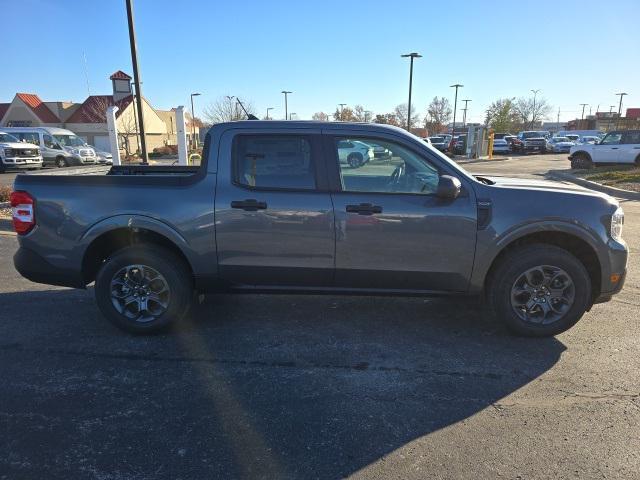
{"x":355,"y":153}
{"x":559,"y":144}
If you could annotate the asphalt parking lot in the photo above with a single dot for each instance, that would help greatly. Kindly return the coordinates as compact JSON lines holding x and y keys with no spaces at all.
{"x":318,"y":386}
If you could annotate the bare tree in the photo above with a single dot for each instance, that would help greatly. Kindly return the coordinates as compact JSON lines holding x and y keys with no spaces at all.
{"x":320,"y":116}
{"x":531,"y":111}
{"x":401,"y":113}
{"x":438,"y":114}
{"x":387,"y":119}
{"x":227,"y":109}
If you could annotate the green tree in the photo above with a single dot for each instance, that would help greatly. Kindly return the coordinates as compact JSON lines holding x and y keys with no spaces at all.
{"x":502,"y":115}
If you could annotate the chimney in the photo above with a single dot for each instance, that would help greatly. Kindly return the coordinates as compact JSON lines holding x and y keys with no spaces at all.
{"x":121,"y":85}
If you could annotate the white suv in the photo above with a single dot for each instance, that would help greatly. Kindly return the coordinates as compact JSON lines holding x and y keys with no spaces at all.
{"x":616,"y":147}
{"x":16,"y":154}
{"x":355,"y":153}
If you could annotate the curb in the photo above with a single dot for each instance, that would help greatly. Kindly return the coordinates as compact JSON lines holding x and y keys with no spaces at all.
{"x":614,"y":192}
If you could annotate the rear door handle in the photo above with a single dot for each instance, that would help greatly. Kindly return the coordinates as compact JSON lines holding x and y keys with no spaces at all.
{"x":614,"y":148}
{"x":250,"y":205}
{"x":364,"y":209}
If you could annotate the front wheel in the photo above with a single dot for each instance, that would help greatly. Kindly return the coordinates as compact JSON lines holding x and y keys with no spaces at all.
{"x":581,"y":161}
{"x":61,"y":162}
{"x":143,"y":289}
{"x":539,"y":290}
{"x":355,"y":160}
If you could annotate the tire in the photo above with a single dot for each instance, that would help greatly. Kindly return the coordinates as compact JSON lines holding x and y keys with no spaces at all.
{"x":563,"y":310}
{"x":637,"y":161}
{"x":61,"y":162}
{"x":170,"y":307}
{"x":581,"y":161}
{"x":355,"y":160}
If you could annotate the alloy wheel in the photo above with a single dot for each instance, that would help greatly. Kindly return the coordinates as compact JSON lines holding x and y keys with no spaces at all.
{"x":140,"y":293}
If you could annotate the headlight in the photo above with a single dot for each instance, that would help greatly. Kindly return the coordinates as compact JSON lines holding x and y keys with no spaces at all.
{"x":8,"y":152}
{"x":617,"y":220}
{"x":75,"y":151}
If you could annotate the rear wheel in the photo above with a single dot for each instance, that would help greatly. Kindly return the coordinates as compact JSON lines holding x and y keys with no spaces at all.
{"x":581,"y":161}
{"x":355,"y":160}
{"x":539,"y":290}
{"x":61,"y":162}
{"x":143,"y":289}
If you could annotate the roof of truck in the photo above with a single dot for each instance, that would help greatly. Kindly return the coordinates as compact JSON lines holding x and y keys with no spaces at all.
{"x":292,"y":124}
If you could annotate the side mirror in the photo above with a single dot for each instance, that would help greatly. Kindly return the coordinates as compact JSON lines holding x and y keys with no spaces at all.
{"x":448,"y":187}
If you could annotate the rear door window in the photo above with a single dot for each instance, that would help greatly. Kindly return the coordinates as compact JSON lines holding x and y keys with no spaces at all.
{"x":631,"y":138}
{"x":282,"y":162}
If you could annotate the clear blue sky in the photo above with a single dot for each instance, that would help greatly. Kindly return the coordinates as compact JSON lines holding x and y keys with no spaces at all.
{"x":328,"y":52}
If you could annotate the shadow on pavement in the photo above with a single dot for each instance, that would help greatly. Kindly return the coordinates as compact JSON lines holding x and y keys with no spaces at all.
{"x":250,"y":386}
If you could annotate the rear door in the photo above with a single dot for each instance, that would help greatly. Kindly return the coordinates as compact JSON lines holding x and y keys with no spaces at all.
{"x":274,"y":217}
{"x":608,"y":151}
{"x":392,"y":232}
{"x":630,"y":148}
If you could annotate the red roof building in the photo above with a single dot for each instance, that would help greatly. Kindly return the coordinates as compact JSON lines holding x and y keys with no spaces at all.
{"x":38,"y":107}
{"x":93,"y":109}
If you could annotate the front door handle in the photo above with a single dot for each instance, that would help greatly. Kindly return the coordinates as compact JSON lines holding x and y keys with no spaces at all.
{"x":614,"y":148}
{"x":364,"y":209}
{"x":250,"y":205}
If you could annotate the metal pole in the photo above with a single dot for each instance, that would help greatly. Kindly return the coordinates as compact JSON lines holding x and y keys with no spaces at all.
{"x":455,"y":105}
{"x":533,"y":114}
{"x":622,"y":94}
{"x":193,"y":124}
{"x":409,"y":104}
{"x":464,"y":118}
{"x":136,"y":80}
{"x":286,"y":106}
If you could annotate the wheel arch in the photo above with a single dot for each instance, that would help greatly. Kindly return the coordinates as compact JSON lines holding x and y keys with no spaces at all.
{"x":115,"y":233}
{"x":572,"y":242}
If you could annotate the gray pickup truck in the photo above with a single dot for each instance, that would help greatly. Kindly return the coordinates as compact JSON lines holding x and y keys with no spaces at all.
{"x":273,"y":209}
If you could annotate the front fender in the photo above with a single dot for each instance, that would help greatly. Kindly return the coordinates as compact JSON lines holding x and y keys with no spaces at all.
{"x":490,"y":246}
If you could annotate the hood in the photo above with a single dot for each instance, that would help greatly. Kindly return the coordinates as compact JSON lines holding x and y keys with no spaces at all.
{"x":542,"y":186}
{"x":20,"y":145}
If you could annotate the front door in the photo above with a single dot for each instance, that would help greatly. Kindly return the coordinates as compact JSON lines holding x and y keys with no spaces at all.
{"x":630,"y":148}
{"x":608,"y":150}
{"x":392,"y":231}
{"x":274,"y":217}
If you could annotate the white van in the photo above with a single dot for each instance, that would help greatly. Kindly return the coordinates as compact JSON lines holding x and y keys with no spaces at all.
{"x":16,"y":154}
{"x":58,"y":146}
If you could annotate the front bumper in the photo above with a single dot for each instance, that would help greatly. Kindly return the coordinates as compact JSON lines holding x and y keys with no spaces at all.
{"x":616,"y":264}
{"x":34,"y":267}
{"x":22,"y":162}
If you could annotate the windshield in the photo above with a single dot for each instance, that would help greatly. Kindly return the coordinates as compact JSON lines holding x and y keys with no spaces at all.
{"x":436,"y":139}
{"x":531,"y":135}
{"x":69,"y":140}
{"x":6,"y":138}
{"x":561,"y":139}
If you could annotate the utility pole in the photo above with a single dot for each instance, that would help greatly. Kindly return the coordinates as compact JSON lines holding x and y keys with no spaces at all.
{"x":286,"y":111}
{"x":558,"y":121}
{"x":411,"y":56}
{"x":582,"y":117}
{"x":136,"y":80}
{"x":621,"y":94}
{"x":455,"y":105}
{"x":611,"y":107}
{"x":269,"y":108}
{"x":533,"y":113}
{"x":342,"y":105}
{"x":464,"y":117}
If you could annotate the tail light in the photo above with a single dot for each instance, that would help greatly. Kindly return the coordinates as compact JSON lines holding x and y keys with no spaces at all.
{"x":22,"y":209}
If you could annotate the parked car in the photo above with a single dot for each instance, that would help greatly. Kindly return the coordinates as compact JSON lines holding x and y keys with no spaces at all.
{"x":272,"y":209}
{"x":58,"y":146}
{"x":440,"y":143}
{"x":616,"y":147}
{"x":589,"y":139}
{"x":573,"y":137}
{"x":530,"y":141}
{"x":17,"y":154}
{"x":102,"y":157}
{"x":510,"y":139}
{"x":500,"y":145}
{"x":500,"y":136}
{"x":354,"y":153}
{"x":380,"y":152}
{"x":559,"y":144}
{"x":460,"y":145}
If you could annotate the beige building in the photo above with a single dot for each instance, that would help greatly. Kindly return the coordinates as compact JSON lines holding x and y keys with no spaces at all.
{"x":88,"y":119}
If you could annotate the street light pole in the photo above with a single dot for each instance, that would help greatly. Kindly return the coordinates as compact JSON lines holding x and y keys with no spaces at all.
{"x":193,"y":123}
{"x":342,"y":105}
{"x":411,"y":55}
{"x":455,"y":106}
{"x":286,"y":107}
{"x":291,"y":115}
{"x":464,"y":118}
{"x":269,"y":108}
{"x":533,"y":114}
{"x":136,"y":79}
{"x":582,"y":117}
